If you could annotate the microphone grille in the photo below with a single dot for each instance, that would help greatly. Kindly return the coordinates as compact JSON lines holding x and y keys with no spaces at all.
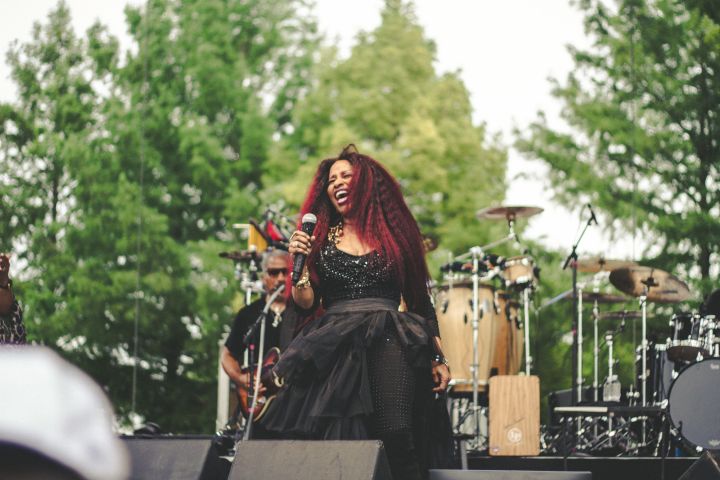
{"x":309,"y":218}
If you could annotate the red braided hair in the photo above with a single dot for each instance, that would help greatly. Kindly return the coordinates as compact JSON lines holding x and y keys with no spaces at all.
{"x":382,"y":218}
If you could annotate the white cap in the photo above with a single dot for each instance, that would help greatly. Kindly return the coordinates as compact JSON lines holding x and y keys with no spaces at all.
{"x":50,"y":406}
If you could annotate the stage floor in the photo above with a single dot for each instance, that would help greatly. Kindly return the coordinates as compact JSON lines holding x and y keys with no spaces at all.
{"x":602,"y":468}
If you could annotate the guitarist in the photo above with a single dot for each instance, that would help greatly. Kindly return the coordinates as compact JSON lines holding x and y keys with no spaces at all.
{"x":279,"y":327}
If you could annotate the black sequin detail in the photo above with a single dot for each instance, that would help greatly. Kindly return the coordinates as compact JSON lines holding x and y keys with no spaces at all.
{"x":344,"y":276}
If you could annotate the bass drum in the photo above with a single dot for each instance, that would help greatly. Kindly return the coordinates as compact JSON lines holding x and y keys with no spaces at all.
{"x":693,"y":404}
{"x":509,"y":337}
{"x":454,"y":311}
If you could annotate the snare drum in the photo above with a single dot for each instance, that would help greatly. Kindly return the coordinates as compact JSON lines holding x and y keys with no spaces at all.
{"x":688,"y":337}
{"x":454,"y":312}
{"x":519,"y":272}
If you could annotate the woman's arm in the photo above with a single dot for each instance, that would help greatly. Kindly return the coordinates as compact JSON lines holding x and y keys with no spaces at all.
{"x":440,"y":369}
{"x":302,"y":292}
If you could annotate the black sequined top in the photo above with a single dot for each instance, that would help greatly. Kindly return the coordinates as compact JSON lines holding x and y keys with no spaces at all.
{"x":345,"y":276}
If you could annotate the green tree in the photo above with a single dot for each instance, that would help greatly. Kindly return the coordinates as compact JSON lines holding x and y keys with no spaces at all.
{"x":211,"y":82}
{"x":643,"y":105}
{"x":388,"y":99}
{"x":193,"y":118}
{"x":117,"y":201}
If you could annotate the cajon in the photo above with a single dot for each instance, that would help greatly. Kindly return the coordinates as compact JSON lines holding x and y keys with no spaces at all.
{"x":514,"y":415}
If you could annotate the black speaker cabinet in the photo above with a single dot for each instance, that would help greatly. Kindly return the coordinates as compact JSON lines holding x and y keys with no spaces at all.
{"x":506,"y":475}
{"x":310,"y":460}
{"x":175,"y":458}
{"x":705,"y":468}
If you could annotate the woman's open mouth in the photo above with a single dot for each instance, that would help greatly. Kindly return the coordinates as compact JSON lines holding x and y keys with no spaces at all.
{"x":341,"y":196}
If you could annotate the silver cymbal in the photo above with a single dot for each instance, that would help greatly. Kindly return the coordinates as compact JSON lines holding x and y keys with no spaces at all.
{"x":601,"y":264}
{"x":661,"y":286}
{"x":507,"y":212}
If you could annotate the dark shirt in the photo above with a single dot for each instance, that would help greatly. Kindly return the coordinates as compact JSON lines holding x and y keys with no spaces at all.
{"x":12,"y":330}
{"x":345,"y":276}
{"x":278,"y":335}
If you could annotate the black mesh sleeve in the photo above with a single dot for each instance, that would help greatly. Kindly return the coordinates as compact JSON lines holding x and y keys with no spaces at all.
{"x":426,"y":309}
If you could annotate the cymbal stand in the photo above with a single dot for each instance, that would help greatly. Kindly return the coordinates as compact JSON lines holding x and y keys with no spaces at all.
{"x":596,"y":355}
{"x":526,"y":309}
{"x":579,"y":378}
{"x":609,"y":340}
{"x":644,"y":343}
{"x":512,"y":236}
{"x":596,"y":350}
{"x":477,"y":254}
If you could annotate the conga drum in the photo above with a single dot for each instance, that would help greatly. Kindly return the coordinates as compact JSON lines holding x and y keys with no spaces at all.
{"x":509,"y":336}
{"x":453,"y":304}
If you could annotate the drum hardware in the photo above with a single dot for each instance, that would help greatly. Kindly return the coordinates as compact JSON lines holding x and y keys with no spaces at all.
{"x":648,"y":284}
{"x":572,"y":261}
{"x":478,"y":263}
{"x":477,"y":312}
{"x":611,"y":388}
{"x":622,"y":315}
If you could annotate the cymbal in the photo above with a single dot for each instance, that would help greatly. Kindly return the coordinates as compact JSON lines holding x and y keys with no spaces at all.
{"x":621,"y":314}
{"x":507,"y":212}
{"x":600,"y":264}
{"x":591,"y":297}
{"x":663,"y":287}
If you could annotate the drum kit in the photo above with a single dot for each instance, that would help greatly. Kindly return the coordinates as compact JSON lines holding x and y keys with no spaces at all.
{"x":483,"y":309}
{"x":483,"y":312}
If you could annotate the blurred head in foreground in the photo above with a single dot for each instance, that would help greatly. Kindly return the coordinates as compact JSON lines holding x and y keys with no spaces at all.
{"x":55,"y":422}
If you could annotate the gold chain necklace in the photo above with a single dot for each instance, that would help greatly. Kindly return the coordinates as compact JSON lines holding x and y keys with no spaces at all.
{"x":335,"y":233}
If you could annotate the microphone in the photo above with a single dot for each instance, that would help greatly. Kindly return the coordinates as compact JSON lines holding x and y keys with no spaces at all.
{"x":308,"y":225}
{"x":593,"y":218}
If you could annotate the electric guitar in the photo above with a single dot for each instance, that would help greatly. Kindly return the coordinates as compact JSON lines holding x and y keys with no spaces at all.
{"x":245,"y":398}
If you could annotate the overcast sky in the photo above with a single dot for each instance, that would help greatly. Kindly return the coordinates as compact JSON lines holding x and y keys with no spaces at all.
{"x":506,"y":51}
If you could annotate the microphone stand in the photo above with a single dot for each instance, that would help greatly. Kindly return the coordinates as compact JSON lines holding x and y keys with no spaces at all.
{"x":260,"y":322}
{"x":577,"y":320}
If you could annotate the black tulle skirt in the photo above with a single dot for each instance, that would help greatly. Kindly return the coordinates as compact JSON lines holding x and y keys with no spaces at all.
{"x":328,"y":380}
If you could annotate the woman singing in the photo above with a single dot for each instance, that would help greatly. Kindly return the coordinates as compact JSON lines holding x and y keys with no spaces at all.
{"x":363,"y":369}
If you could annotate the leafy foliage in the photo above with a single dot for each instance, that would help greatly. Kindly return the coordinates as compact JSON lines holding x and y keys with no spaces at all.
{"x":121,"y":177}
{"x":643,"y":105}
{"x":387,"y":99}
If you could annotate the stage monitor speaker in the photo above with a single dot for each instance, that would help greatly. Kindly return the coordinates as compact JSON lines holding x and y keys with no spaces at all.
{"x":705,"y":468}
{"x":506,"y":475}
{"x":514,"y":424}
{"x":176,"y":458}
{"x":310,"y":460}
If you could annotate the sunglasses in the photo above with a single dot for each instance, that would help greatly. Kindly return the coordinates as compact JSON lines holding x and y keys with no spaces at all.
{"x":274,"y":272}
